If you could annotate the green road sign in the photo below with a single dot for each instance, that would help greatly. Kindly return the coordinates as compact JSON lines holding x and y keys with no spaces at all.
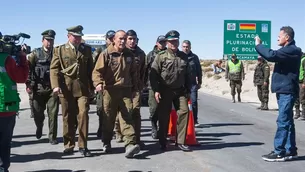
{"x":239,"y":37}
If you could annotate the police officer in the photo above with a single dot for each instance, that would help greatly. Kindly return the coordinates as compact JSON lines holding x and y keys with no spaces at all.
{"x":196,"y":77}
{"x":71,"y":70}
{"x":170,"y":80}
{"x":140,"y":60}
{"x":99,"y":100}
{"x":235,"y":73}
{"x":301,"y":99}
{"x":115,"y":75}
{"x":40,"y":86}
{"x":261,"y":81}
{"x":160,"y":46}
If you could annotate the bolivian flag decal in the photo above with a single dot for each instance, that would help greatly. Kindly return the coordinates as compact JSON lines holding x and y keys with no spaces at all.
{"x":247,"y":27}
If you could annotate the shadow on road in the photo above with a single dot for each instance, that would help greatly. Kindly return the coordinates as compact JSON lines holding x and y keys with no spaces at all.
{"x":15,"y":158}
{"x":53,"y":170}
{"x":223,"y":124}
{"x":222,"y":145}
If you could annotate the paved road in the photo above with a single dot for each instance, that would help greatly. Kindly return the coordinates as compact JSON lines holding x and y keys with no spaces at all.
{"x":233,"y":138}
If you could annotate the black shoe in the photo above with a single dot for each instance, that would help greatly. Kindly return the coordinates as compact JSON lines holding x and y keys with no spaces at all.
{"x":38,"y":132}
{"x":163,"y":147}
{"x":85,"y":152}
{"x":184,"y":148}
{"x":291,"y":156}
{"x":53,"y":142}
{"x":273,"y":157}
{"x":69,"y":151}
{"x":106,"y":148}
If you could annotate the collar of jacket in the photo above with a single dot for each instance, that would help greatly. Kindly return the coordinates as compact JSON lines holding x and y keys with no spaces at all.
{"x":111,"y":49}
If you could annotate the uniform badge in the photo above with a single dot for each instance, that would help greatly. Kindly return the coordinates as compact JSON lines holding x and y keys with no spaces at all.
{"x":128,"y":59}
{"x":172,"y":34}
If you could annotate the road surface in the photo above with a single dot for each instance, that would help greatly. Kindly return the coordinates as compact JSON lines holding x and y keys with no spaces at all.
{"x":233,"y":138}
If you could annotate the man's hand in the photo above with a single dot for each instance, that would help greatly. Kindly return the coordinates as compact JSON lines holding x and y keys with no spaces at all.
{"x":303,"y":85}
{"x":265,"y":83}
{"x":99,"y":87}
{"x":157,"y":97}
{"x":56,"y":91}
{"x":257,"y":40}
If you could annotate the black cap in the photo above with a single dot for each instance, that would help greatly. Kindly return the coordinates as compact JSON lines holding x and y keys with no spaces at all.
{"x":48,"y":34}
{"x":131,"y":33}
{"x":110,"y":34}
{"x":172,"y":35}
{"x":161,"y":38}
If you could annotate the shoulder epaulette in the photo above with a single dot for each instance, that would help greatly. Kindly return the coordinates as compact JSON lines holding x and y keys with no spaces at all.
{"x":162,"y":52}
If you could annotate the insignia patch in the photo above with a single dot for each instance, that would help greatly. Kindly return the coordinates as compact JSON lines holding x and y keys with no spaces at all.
{"x":128,"y":59}
{"x":172,"y":34}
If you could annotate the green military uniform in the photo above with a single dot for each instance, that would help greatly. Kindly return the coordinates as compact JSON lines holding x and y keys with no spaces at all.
{"x":170,"y":76}
{"x":116,"y":73}
{"x":39,"y":83}
{"x":99,"y":96}
{"x":235,"y":73}
{"x":261,"y":81}
{"x":71,"y":70}
{"x":301,"y":99}
{"x":151,"y":95}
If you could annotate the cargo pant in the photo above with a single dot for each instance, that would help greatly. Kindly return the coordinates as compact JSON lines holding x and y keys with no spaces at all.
{"x":300,"y":101}
{"x":164,"y":108}
{"x":235,"y":84}
{"x":99,"y":110}
{"x":72,"y":108}
{"x":41,"y":102}
{"x":118,"y":99}
{"x":31,"y":104}
{"x":136,"y":116}
{"x":263,"y":93}
{"x":152,"y":107}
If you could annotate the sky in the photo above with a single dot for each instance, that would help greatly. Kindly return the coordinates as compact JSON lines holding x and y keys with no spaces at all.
{"x":200,"y":21}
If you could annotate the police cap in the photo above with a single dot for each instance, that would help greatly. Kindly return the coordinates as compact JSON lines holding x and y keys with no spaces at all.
{"x":161,"y":38}
{"x":131,"y":33}
{"x":233,"y":55}
{"x":110,"y":34}
{"x":48,"y":34}
{"x":172,"y":35}
{"x":76,"y":30}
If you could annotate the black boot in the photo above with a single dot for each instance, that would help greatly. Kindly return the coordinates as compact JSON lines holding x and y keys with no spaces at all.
{"x":154,"y":130}
{"x":297,"y":112}
{"x":238,"y":97}
{"x":302,"y":117}
{"x":265,"y":106}
{"x":233,"y":99}
{"x":260,"y":107}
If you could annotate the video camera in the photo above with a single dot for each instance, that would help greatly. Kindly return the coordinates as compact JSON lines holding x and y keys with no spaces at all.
{"x":8,"y":44}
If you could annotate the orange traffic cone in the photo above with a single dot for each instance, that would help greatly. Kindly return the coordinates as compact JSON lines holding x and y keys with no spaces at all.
{"x":172,"y":126}
{"x":191,"y":135}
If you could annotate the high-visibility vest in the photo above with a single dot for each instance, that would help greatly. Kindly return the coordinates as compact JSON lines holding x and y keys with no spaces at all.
{"x":234,"y":68}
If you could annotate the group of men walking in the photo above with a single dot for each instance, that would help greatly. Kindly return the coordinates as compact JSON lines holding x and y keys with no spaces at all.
{"x":117,"y":72}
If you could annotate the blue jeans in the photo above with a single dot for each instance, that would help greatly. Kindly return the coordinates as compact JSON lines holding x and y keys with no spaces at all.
{"x":7,"y":125}
{"x":194,"y":96}
{"x":284,"y":141}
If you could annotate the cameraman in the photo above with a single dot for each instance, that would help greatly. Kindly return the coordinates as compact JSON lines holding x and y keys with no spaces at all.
{"x":11,"y":73}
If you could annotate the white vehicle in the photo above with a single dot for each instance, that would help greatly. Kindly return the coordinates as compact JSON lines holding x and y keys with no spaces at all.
{"x":94,"y":40}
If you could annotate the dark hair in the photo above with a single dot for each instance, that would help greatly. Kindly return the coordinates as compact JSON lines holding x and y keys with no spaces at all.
{"x":289,"y":31}
{"x":131,"y":33}
{"x":187,"y":42}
